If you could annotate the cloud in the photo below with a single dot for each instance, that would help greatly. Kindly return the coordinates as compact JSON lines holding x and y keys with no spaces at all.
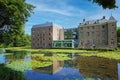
{"x":46,"y":8}
{"x":58,"y":7}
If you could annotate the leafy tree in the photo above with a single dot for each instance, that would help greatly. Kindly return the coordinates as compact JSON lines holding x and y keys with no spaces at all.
{"x":106,"y":3}
{"x":27,"y":40}
{"x":118,"y":34}
{"x":14,"y":12}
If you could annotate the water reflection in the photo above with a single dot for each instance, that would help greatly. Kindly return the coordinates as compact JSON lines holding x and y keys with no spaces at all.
{"x":52,"y":69}
{"x":105,"y":69}
{"x":78,"y":68}
{"x":2,"y":57}
{"x":119,"y":71}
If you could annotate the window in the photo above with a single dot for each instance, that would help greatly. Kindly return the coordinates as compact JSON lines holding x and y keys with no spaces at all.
{"x":112,"y":32}
{"x":81,"y":28}
{"x":88,"y":42}
{"x":103,"y":33}
{"x":33,"y":31}
{"x":49,"y":34}
{"x":49,"y":29}
{"x":49,"y":39}
{"x":103,"y":26}
{"x":93,"y":27}
{"x":88,"y":27}
{"x":93,"y":34}
{"x":49,"y":44}
{"x":88,"y":34}
{"x":112,"y":41}
{"x":93,"y":42}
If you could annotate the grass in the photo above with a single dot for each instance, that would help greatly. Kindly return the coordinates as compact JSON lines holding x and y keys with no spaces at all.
{"x":62,"y":50}
{"x":22,"y":49}
{"x":107,"y":54}
{"x":47,"y":50}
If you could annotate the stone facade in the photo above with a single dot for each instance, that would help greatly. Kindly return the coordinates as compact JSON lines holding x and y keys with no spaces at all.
{"x":100,"y":33}
{"x":44,"y":34}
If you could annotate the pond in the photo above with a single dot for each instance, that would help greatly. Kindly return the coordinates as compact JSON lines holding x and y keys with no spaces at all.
{"x":56,"y":66}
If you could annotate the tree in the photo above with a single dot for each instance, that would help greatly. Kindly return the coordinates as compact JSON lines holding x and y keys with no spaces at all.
{"x":118,"y":31}
{"x":106,"y":3}
{"x":14,"y":12}
{"x":118,"y":36}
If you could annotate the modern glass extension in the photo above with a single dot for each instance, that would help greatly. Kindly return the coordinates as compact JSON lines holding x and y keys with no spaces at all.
{"x":63,"y":44}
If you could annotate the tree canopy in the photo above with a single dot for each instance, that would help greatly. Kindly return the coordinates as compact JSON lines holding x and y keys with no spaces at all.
{"x":110,"y":4}
{"x":14,"y":12}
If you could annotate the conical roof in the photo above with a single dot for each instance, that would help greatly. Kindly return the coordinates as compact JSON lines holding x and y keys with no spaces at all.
{"x":112,"y":18}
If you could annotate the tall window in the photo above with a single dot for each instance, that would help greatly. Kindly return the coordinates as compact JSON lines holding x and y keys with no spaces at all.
{"x":49,"y":29}
{"x":88,"y":27}
{"x":93,"y":42}
{"x":49,"y":39}
{"x":88,"y":34}
{"x":93,"y":27}
{"x":103,"y":34}
{"x":88,"y":42}
{"x":93,"y":34}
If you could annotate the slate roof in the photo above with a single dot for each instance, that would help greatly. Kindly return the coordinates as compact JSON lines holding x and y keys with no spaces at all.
{"x":45,"y":25}
{"x":97,"y":21}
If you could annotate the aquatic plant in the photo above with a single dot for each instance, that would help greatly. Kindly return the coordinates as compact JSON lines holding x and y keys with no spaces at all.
{"x":108,"y":54}
{"x":41,"y":57}
{"x":23,"y":65}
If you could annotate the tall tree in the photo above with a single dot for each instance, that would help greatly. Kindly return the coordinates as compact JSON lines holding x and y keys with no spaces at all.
{"x":106,"y":3}
{"x":118,"y":36}
{"x":14,"y":12}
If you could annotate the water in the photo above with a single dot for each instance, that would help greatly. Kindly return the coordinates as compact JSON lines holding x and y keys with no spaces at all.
{"x":61,"y":66}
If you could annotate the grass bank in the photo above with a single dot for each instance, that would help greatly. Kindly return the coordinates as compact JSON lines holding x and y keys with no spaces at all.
{"x":47,"y":50}
{"x":107,"y":54}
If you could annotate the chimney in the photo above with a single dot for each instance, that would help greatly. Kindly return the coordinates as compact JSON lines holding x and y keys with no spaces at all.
{"x":83,"y":20}
{"x":103,"y":17}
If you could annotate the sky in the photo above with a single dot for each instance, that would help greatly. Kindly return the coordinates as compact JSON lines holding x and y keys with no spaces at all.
{"x":68,"y":13}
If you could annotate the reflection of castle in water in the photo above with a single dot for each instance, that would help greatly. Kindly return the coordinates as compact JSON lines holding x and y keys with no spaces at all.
{"x":55,"y":67}
{"x":105,"y":69}
{"x":89,"y":67}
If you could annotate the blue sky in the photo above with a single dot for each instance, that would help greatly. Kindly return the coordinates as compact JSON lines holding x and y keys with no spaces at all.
{"x":68,"y":13}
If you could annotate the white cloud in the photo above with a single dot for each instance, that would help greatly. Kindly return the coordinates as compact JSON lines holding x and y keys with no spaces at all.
{"x":58,"y":7}
{"x":46,"y":8}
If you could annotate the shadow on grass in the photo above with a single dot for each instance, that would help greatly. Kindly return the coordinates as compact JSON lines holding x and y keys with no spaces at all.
{"x":9,"y":74}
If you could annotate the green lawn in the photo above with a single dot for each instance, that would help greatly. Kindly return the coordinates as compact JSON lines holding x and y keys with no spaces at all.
{"x":46,"y":50}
